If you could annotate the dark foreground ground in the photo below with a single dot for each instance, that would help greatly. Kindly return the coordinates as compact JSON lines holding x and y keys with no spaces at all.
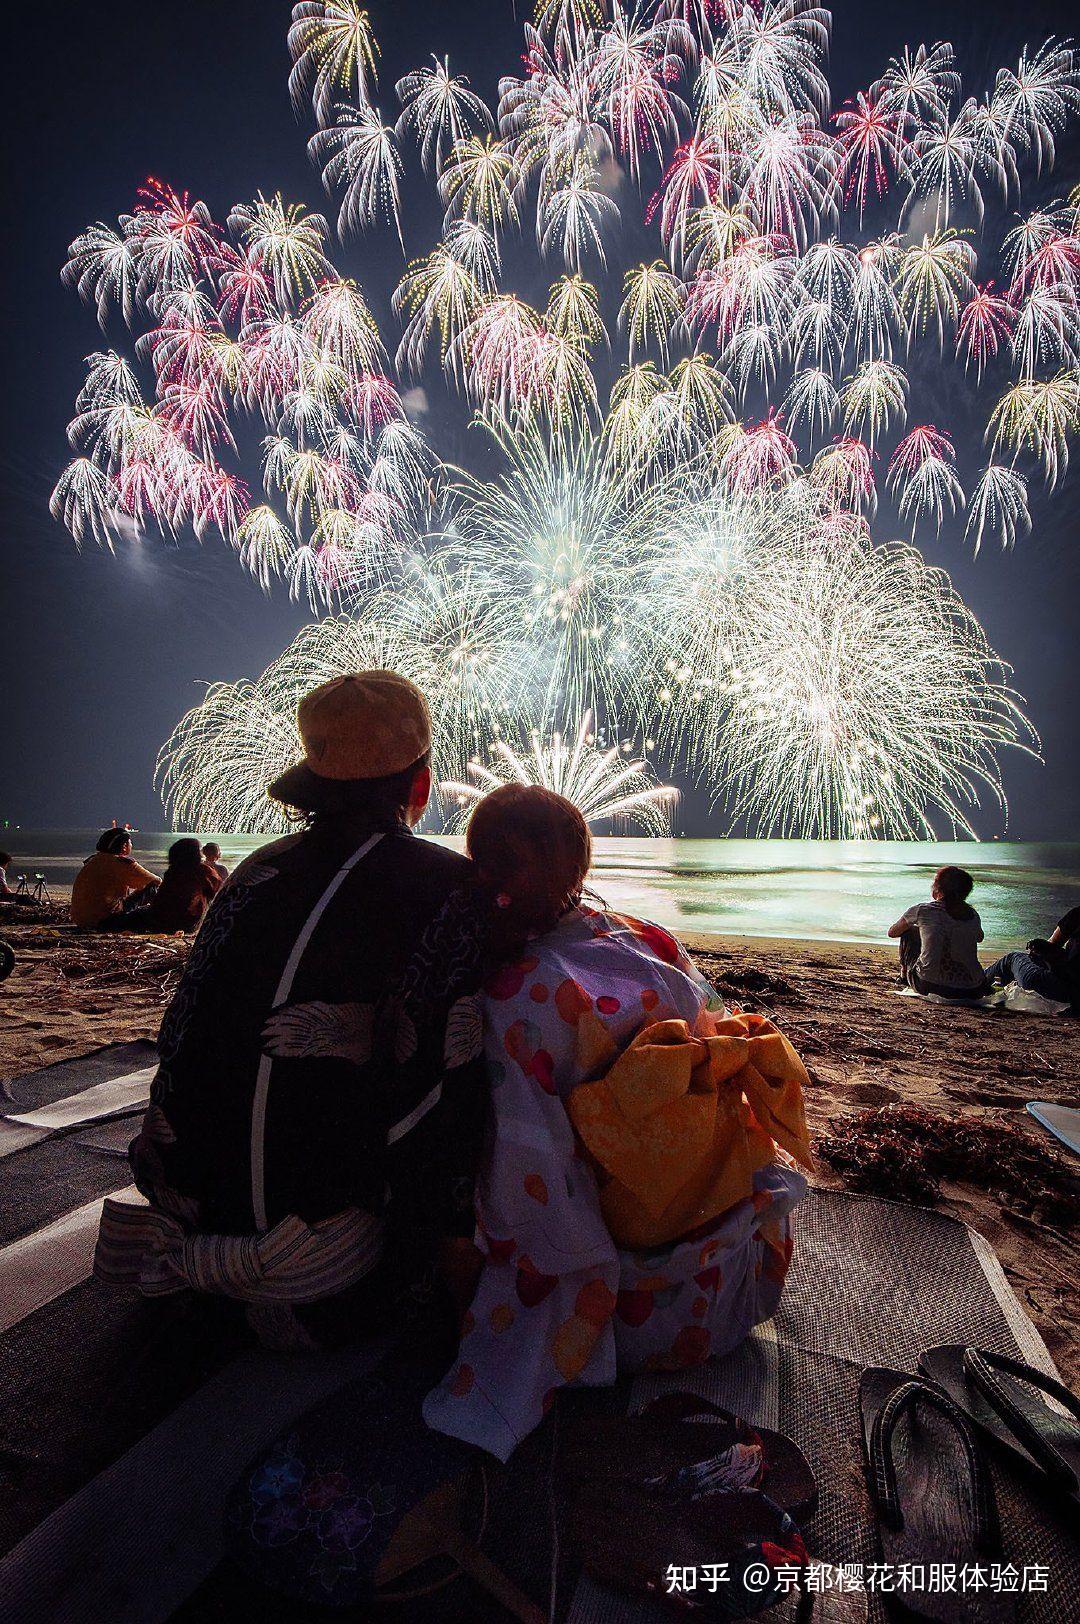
{"x":907,"y":1099}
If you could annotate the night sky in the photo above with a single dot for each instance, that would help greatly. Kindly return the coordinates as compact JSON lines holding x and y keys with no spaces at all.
{"x":100,"y":655}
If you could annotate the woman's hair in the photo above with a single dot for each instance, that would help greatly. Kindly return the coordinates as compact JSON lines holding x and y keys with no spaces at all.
{"x":954,"y":884}
{"x":533,"y":848}
{"x":5,"y":859}
{"x":185,"y":853}
{"x":113,"y":840}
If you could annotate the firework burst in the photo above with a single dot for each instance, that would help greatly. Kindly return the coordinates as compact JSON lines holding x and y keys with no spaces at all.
{"x":768,"y":343}
{"x":604,"y":785}
{"x":847,"y":691}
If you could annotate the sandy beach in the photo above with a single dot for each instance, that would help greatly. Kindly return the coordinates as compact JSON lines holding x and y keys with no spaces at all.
{"x":907,"y":1099}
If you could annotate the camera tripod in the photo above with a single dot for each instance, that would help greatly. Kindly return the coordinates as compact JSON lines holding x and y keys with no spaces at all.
{"x":38,"y":891}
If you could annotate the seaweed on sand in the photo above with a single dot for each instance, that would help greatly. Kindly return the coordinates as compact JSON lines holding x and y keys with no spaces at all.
{"x":907,"y":1151}
{"x":747,"y":984}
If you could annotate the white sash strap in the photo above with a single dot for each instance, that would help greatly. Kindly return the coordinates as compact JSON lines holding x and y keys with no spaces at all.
{"x":284,"y":988}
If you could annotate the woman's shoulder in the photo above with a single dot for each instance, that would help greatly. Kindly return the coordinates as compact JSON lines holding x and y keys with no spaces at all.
{"x":926,"y":912}
{"x":592,"y":931}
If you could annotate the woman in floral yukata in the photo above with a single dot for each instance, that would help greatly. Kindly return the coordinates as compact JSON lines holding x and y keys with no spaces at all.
{"x":634,"y":1211}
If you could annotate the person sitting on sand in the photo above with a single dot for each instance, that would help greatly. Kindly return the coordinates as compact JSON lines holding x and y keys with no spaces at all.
{"x":634,"y":1211}
{"x":187,"y":888}
{"x":319,"y":1107}
{"x":939,"y":940}
{"x":1050,"y":967}
{"x":7,"y":895}
{"x":212,"y":855}
{"x":108,"y":879}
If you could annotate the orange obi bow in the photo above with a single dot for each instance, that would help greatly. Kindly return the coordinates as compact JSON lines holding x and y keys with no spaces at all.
{"x":680,"y":1124}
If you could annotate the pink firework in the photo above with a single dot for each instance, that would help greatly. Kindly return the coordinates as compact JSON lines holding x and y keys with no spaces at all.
{"x":749,"y":287}
{"x":224,"y":501}
{"x":843,"y":473}
{"x":182,"y":347}
{"x":195,"y":412}
{"x":986,"y":323}
{"x":922,"y":476}
{"x":692,"y":178}
{"x":923,"y":443}
{"x":760,"y":456}
{"x":376,"y":402}
{"x":1055,"y":263}
{"x":244,"y":291}
{"x":871,"y":138}
{"x":790,"y":182}
{"x":178,"y":240}
{"x":503,"y":347}
{"x":636,"y":66}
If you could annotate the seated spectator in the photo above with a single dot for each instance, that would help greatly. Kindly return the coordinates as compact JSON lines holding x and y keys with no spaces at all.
{"x":1050,"y":967}
{"x":634,"y":1212}
{"x":939,"y":940}
{"x":212,"y":855}
{"x":320,"y":1104}
{"x":188,"y":887}
{"x":6,"y":892}
{"x":107,"y":880}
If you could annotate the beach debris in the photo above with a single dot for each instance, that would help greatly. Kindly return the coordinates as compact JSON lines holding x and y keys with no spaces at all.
{"x":747,"y":987}
{"x":908,"y":1151}
{"x":104,"y":963}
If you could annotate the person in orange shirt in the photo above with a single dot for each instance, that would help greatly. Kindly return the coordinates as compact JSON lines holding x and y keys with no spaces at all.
{"x":106,"y":880}
{"x":187,"y":888}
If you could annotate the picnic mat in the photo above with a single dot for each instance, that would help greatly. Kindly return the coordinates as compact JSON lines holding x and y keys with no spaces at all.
{"x":110,"y":1138}
{"x":876,"y":1282}
{"x":872,"y":1282}
{"x":142,"y":1535}
{"x":1063,"y":1121}
{"x":51,"y":1083}
{"x":44,"y":1175}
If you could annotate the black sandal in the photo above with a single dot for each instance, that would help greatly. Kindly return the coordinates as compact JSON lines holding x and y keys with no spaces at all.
{"x":932,"y":1495}
{"x":987,"y":1388}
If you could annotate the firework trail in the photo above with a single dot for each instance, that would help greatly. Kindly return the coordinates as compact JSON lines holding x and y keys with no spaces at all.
{"x":764,"y":352}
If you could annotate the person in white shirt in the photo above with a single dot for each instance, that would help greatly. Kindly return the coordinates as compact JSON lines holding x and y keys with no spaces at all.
{"x":939,"y":940}
{"x":7,"y":894}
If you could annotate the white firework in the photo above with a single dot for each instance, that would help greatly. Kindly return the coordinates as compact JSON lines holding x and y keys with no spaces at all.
{"x":861,"y":698}
{"x":603,"y":784}
{"x":565,"y":531}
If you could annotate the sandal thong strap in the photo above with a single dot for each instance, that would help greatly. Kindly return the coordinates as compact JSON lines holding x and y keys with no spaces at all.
{"x":884,"y":1486}
{"x":982,"y":1370}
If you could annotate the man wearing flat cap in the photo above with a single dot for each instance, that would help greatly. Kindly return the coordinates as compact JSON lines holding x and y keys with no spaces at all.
{"x":317,"y":1114}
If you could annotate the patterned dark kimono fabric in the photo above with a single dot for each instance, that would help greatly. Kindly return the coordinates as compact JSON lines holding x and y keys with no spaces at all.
{"x":362,"y":1087}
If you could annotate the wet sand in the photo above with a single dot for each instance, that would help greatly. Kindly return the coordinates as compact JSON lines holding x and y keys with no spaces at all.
{"x":864,"y":1047}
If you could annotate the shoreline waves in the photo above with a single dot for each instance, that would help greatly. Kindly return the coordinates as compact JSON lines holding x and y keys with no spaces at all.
{"x":766,"y":890}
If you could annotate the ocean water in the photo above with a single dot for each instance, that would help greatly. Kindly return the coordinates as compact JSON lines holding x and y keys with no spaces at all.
{"x":820,"y":890}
